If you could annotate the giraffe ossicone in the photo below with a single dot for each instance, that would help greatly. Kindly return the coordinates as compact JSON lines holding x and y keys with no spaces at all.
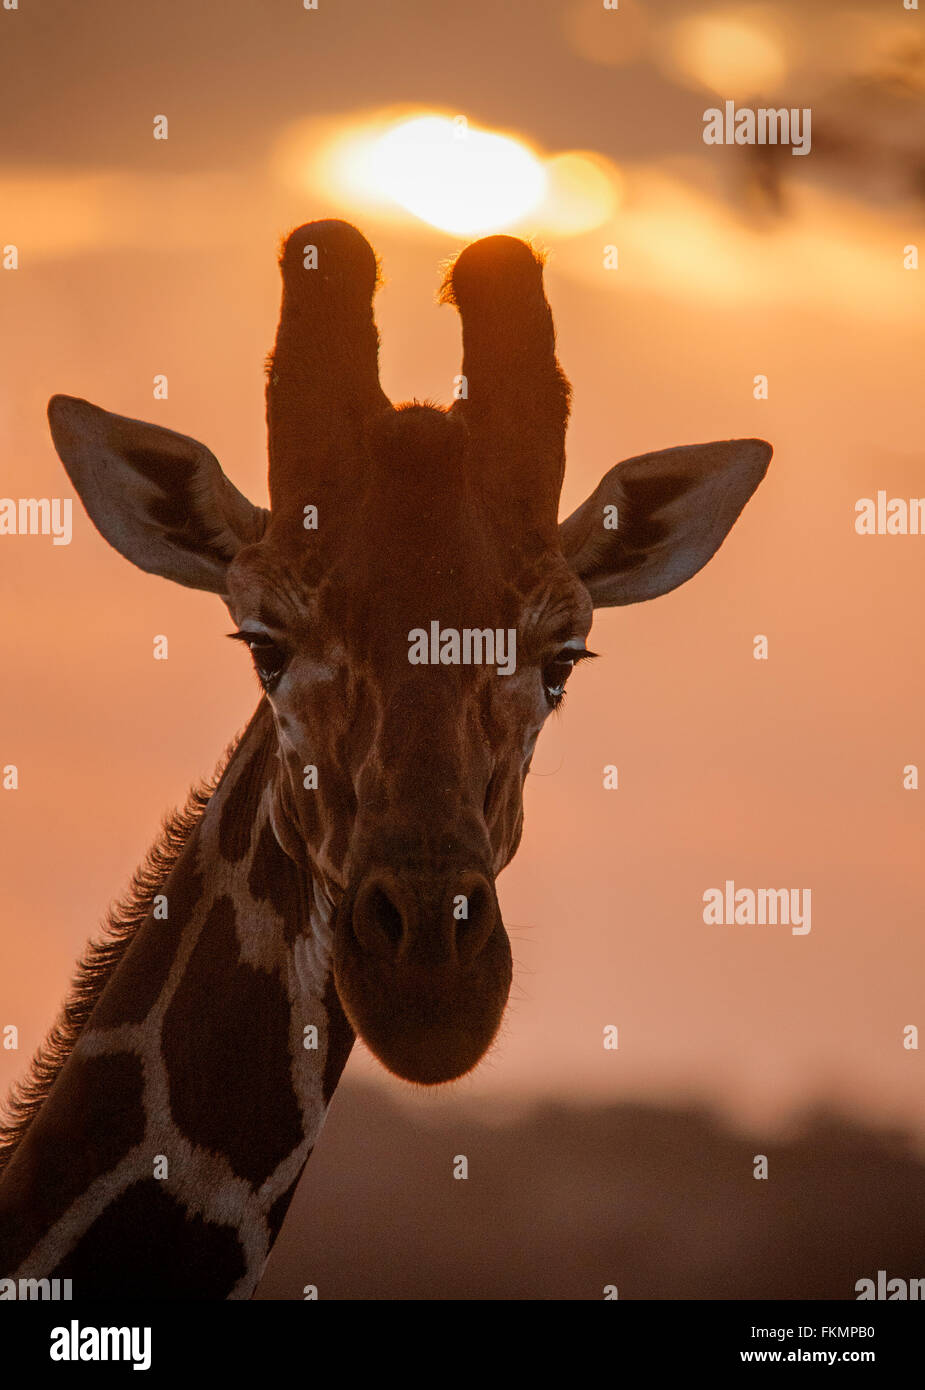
{"x":157,"y":1144}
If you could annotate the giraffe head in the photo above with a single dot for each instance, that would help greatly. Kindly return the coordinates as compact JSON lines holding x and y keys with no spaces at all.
{"x":412,"y":607}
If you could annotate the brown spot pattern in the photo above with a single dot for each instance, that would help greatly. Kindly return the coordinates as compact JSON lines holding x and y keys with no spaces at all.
{"x":229,"y":1068}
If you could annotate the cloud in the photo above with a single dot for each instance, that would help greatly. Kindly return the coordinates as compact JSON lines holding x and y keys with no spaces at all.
{"x":679,"y":239}
{"x":62,"y":213}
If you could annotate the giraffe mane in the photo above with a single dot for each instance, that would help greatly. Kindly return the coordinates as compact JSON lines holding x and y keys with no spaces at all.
{"x":100,"y":959}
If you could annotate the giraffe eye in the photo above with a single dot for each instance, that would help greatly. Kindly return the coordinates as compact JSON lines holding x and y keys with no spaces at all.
{"x":269,"y":657}
{"x":557,"y":672}
{"x":270,"y":660}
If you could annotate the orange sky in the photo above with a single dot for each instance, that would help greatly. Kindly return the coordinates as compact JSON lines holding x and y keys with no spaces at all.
{"x":138,"y":258}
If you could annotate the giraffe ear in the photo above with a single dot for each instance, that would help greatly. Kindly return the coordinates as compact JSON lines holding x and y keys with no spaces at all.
{"x":652,"y":522}
{"x":160,"y":498}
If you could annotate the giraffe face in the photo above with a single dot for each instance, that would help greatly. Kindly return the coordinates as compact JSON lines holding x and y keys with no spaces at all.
{"x":401,"y":761}
{"x":402,"y":758}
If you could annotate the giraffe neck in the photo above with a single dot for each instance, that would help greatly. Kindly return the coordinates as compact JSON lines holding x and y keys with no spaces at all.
{"x":166,"y":1154}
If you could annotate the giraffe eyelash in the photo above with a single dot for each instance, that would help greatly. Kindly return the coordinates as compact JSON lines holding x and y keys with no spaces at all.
{"x":267,"y":673}
{"x":566,"y":659}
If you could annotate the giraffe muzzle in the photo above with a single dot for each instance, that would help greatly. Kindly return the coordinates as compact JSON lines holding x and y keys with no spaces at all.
{"x":422,"y":965}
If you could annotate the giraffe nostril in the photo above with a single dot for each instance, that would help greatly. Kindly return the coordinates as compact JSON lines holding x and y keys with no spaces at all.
{"x":489,"y":796}
{"x":436,"y":919}
{"x":475,"y":924}
{"x":390,"y":920}
{"x":477,"y":904}
{"x":378,"y":921}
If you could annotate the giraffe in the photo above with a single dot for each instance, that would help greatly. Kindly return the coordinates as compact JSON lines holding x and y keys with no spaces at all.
{"x":337,"y":877}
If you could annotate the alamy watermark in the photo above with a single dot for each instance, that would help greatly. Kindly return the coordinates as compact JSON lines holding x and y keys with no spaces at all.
{"x":767,"y":125}
{"x":472,"y":646}
{"x":76,"y":1343}
{"x":893,"y":516}
{"x":37,"y":516}
{"x":730,"y":906}
{"x":890,"y":1290}
{"x":28,"y":1290}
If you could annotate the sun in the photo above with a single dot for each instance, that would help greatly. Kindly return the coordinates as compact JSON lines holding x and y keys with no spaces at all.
{"x":450,"y":174}
{"x":440,"y":171}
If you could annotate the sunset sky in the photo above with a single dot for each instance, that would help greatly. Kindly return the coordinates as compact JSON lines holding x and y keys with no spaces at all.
{"x":139,"y":256}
